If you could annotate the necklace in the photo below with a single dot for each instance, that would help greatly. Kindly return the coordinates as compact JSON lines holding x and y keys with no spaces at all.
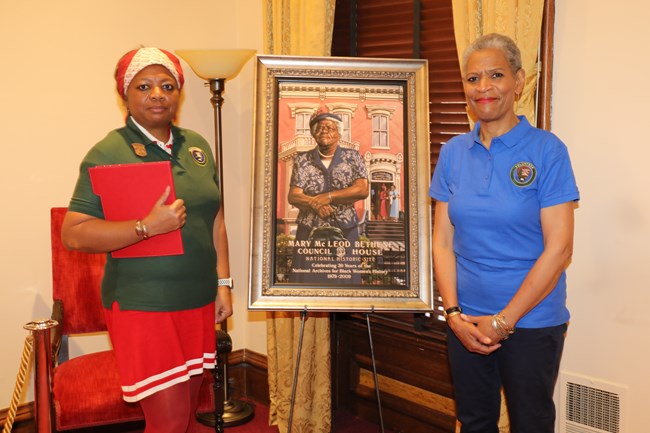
{"x":322,"y":155}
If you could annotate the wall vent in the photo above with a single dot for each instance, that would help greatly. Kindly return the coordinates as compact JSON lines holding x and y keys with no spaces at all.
{"x":589,"y":405}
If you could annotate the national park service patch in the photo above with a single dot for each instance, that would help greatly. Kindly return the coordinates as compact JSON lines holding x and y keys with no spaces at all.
{"x":523,"y":173}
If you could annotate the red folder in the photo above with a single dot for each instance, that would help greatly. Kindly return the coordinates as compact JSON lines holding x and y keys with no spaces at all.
{"x":129,"y":191}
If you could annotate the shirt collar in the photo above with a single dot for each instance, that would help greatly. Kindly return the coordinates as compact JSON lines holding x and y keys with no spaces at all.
{"x":510,"y":138}
{"x":166,"y":146}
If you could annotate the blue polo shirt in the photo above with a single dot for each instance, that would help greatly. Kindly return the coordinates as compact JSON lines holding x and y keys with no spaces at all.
{"x":495,"y":197}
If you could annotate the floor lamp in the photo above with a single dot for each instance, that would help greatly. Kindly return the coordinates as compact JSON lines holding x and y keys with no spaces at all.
{"x":217,"y":66}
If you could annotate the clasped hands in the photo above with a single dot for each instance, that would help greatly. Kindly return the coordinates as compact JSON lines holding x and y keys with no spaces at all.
{"x":321,"y":204}
{"x":476,"y":333}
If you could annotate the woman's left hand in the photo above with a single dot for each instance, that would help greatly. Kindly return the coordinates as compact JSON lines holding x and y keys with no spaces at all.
{"x":320,"y":200}
{"x":484,"y":324}
{"x":223,"y":304}
{"x":470,"y":335}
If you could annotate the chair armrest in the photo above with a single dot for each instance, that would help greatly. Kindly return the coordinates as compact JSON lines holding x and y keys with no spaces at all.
{"x":59,"y":348}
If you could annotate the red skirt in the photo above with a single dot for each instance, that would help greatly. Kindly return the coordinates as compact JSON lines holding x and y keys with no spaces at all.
{"x":156,"y":350}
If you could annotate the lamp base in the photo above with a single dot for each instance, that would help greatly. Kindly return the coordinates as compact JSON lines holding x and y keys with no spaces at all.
{"x":235,"y":412}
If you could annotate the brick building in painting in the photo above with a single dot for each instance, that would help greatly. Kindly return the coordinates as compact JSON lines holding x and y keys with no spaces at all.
{"x":373,"y":118}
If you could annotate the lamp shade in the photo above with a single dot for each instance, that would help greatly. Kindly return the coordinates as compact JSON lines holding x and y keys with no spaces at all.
{"x":216,"y":64}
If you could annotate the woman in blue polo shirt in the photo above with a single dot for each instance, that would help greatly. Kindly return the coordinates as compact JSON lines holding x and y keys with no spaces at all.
{"x":503,"y":235}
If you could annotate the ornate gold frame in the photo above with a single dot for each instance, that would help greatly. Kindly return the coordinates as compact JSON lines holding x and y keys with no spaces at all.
{"x":417,"y":292}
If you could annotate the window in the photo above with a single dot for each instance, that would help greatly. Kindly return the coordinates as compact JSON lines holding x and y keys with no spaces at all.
{"x":302,"y":123}
{"x":379,"y":131}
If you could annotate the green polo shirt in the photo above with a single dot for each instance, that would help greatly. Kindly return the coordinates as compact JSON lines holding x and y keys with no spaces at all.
{"x":167,"y":283}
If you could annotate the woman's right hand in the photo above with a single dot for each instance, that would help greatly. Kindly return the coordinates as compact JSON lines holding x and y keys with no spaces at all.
{"x":165,"y":218}
{"x":83,"y":232}
{"x":468,"y":332}
{"x":325,"y":212}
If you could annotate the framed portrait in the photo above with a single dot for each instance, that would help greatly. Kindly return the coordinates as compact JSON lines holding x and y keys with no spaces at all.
{"x":341,"y":217}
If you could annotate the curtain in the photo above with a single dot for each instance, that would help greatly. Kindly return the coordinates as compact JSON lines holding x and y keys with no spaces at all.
{"x":312,"y":407}
{"x":519,"y":19}
{"x":298,"y":27}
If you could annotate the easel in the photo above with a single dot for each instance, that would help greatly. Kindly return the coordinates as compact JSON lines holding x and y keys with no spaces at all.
{"x":303,"y":318}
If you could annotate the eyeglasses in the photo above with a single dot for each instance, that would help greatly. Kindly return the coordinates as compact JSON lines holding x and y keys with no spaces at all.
{"x":325,"y":128}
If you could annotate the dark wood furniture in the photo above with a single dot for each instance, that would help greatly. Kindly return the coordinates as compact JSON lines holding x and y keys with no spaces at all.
{"x":411,"y":361}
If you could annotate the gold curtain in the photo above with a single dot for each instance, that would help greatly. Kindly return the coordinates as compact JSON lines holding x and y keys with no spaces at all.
{"x":519,"y":19}
{"x":312,"y":407}
{"x":298,"y":27}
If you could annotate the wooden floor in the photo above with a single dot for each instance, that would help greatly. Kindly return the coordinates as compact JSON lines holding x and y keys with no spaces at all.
{"x":343,"y":422}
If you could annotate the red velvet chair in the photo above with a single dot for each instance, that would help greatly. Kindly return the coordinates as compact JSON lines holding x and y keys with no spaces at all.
{"x":85,"y":389}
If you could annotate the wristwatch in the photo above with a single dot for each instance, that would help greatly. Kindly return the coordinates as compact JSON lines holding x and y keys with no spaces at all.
{"x":225,"y":282}
{"x":452,"y":311}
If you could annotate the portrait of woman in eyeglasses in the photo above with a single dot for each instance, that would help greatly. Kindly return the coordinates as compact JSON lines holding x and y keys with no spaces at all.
{"x":325,"y":183}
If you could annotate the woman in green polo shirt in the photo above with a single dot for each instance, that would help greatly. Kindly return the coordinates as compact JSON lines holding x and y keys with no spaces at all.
{"x":160,"y":310}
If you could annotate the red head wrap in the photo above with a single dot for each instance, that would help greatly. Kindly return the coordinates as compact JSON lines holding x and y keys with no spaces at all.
{"x":134,"y":61}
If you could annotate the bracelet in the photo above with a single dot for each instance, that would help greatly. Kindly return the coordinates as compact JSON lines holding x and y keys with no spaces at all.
{"x":329,"y":196}
{"x":452,"y":314}
{"x":449,"y":312}
{"x":500,"y":332}
{"x":225,"y":282}
{"x":141,"y":230}
{"x":501,"y":326}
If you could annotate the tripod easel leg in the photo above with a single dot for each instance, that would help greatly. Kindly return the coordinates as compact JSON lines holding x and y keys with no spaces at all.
{"x":374,"y":374}
{"x":303,"y":317}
